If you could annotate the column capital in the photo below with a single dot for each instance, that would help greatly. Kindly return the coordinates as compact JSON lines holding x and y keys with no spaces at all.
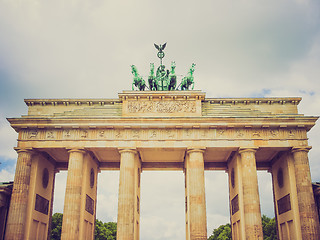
{"x":247,"y":149}
{"x":301,"y":149}
{"x":27,"y":150}
{"x":79,"y":150}
{"x":196,"y":149}
{"x":123,"y":150}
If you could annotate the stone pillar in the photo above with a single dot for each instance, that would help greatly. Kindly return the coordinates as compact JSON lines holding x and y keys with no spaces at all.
{"x":72,"y":202}
{"x":19,"y":200}
{"x":195,"y":195}
{"x":308,"y":213}
{"x":251,"y":201}
{"x":128,"y":219}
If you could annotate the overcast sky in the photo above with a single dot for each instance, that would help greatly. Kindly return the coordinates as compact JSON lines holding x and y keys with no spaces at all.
{"x":84,"y":49}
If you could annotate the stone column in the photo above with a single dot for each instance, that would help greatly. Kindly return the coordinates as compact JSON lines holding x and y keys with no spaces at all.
{"x":251,"y":201}
{"x":72,"y":202}
{"x":19,"y":199}
{"x":126,"y":200}
{"x":195,"y":195}
{"x":307,"y":209}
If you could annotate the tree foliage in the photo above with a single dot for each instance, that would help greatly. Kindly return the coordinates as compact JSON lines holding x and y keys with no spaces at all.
{"x":105,"y":231}
{"x":102,"y":231}
{"x":269,"y":227}
{"x":223,"y":232}
{"x":56,"y":226}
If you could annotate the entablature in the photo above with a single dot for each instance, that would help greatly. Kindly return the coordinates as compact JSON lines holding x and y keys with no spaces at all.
{"x":165,"y":122}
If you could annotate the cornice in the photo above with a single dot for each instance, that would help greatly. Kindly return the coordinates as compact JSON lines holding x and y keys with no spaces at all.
{"x":258,"y":101}
{"x":179,"y":122}
{"x":161,"y":95}
{"x":69,"y":101}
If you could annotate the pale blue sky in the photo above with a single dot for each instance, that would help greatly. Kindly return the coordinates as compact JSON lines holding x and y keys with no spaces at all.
{"x":74,"y":49}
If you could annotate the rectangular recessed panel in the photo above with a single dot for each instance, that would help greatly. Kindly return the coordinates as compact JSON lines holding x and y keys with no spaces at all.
{"x":42,"y":204}
{"x":284,"y":204}
{"x":217,"y":154}
{"x":162,"y":155}
{"x":107,"y":154}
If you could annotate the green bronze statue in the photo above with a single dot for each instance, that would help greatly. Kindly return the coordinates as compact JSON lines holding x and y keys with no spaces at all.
{"x":153,"y":85}
{"x":172,"y":77}
{"x":160,"y":51}
{"x":137,"y":80}
{"x":161,"y":78}
{"x":187,"y":81}
{"x":164,"y":79}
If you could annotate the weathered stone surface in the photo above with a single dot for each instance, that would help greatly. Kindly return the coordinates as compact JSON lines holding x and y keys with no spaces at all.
{"x":160,"y":131}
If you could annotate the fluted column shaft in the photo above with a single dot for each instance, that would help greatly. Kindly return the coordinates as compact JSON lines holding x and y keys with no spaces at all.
{"x":72,"y":202}
{"x":125,"y":225}
{"x":251,"y":201}
{"x":307,"y":209}
{"x":196,"y":199}
{"x":19,"y":199}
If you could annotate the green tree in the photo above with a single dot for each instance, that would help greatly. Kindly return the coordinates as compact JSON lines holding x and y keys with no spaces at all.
{"x":102,"y":231}
{"x":269,"y":227}
{"x":223,"y":232}
{"x":56,"y":226}
{"x":105,"y":231}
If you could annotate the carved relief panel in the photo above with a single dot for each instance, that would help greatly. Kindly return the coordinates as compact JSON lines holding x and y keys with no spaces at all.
{"x":162,"y":134}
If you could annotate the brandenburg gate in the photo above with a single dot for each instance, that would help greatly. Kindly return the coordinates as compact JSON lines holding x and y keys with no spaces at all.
{"x":162,"y":129}
{"x":167,"y":130}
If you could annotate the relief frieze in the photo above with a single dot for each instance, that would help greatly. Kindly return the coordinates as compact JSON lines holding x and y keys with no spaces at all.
{"x":51,"y":134}
{"x":161,"y":106}
{"x":66,"y":133}
{"x":33,"y":133}
{"x":157,"y":134}
{"x":273,"y":133}
{"x":101,"y":133}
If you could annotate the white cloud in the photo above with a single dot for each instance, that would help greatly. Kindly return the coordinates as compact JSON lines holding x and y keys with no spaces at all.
{"x":6,"y":175}
{"x":8,"y":140}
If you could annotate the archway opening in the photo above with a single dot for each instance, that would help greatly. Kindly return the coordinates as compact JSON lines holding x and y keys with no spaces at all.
{"x":107,"y":196}
{"x":162,"y":205}
{"x":217,"y":199}
{"x":266,"y":193}
{"x":59,"y":191}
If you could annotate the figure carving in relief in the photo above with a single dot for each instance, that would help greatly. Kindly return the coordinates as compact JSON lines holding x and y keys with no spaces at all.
{"x":153,"y":134}
{"x":33,"y":133}
{"x":274,"y":133}
{"x":221,"y":132}
{"x":291,"y":133}
{"x":239,"y":133}
{"x":256,"y":133}
{"x":118,"y":134}
{"x":84,"y":134}
{"x":101,"y":133}
{"x":67,"y":133}
{"x":50,"y":134}
{"x":136,"y":134}
{"x":170,"y":133}
{"x":161,"y":106}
